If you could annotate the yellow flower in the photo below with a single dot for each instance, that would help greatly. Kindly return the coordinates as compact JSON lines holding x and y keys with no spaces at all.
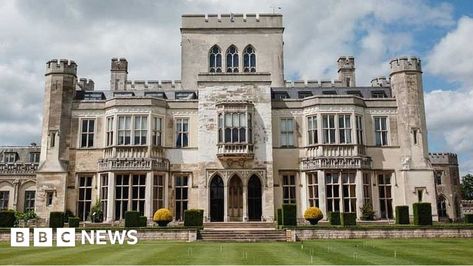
{"x":162,"y":215}
{"x":313,"y":213}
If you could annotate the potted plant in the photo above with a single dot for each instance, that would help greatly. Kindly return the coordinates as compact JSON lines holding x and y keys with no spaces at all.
{"x":162,"y":217}
{"x":313,"y":215}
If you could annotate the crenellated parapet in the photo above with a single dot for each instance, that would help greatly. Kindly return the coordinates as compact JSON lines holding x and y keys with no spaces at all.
{"x":86,"y":84}
{"x":346,"y":62}
{"x":61,"y":66}
{"x":405,"y":64}
{"x":164,"y":85}
{"x":119,"y":64}
{"x":194,"y":21}
{"x":313,"y":83}
{"x":380,"y":82}
{"x":443,"y":158}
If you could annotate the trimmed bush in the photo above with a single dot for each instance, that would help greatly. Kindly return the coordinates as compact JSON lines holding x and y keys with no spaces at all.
{"x":132,"y":219}
{"x":74,"y":221}
{"x":469,"y":218}
{"x":289,"y":214}
{"x":7,"y":218}
{"x":334,"y":218}
{"x":367,"y":212}
{"x":422,"y":213}
{"x":348,"y":218}
{"x":56,"y":219}
{"x":402,"y":214}
{"x":313,"y":215}
{"x":279,"y":217}
{"x":143,"y":221}
{"x":162,"y":217}
{"x":194,"y":217}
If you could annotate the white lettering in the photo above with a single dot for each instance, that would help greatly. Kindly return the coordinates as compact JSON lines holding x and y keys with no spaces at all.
{"x":90,"y":238}
{"x":116,"y":236}
{"x":43,"y":237}
{"x":66,"y":237}
{"x":132,"y":237}
{"x":101,"y":236}
{"x":19,"y":237}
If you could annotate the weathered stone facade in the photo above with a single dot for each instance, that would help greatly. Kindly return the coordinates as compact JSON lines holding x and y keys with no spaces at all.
{"x":233,"y":137}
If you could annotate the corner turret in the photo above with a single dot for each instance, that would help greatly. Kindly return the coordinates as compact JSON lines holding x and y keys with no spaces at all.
{"x":346,"y":70}
{"x":119,"y":73}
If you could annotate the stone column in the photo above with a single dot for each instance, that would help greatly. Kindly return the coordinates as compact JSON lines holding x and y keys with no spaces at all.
{"x":303,"y":193}
{"x":225,"y":203}
{"x":245,"y":202}
{"x":16,"y":193}
{"x":111,"y":197}
{"x":148,"y":212}
{"x":359,"y":192}
{"x":322,"y":199}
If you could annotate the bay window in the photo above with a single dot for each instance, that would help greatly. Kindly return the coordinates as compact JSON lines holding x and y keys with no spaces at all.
{"x":328,"y":128}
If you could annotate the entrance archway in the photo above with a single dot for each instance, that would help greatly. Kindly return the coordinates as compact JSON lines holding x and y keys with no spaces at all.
{"x":216,"y":199}
{"x":254,"y":199}
{"x":235,"y":199}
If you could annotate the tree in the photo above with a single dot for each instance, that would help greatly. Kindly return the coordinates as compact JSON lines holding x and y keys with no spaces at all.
{"x":467,"y":187}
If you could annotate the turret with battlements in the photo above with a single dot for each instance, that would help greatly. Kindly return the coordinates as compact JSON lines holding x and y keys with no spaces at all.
{"x":118,"y":74}
{"x":346,"y":71}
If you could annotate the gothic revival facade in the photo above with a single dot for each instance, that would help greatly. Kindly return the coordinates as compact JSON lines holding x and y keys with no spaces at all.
{"x":233,"y":137}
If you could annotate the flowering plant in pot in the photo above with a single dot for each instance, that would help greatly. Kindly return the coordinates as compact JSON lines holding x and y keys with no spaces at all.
{"x":313,"y":215}
{"x":162,"y":217}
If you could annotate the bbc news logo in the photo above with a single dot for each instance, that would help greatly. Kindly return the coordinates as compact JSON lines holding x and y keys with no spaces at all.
{"x":66,"y":237}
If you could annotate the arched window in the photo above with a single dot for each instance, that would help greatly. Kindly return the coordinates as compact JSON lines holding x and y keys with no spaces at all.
{"x":232,"y":59}
{"x":249,"y":59}
{"x":442,"y":206}
{"x":215,"y":57}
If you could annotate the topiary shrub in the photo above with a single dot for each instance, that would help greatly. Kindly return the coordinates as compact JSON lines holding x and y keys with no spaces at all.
{"x":313,"y":215}
{"x":469,"y":218}
{"x":162,"y":217}
{"x":348,"y":218}
{"x":56,"y":219}
{"x":289,"y":214}
{"x":7,"y":218}
{"x":422,"y":213}
{"x":143,"y":221}
{"x":279,"y":217}
{"x":402,"y":214}
{"x":367,"y":212}
{"x":334,"y":218}
{"x":194,"y":217}
{"x":74,"y":221}
{"x":132,"y":219}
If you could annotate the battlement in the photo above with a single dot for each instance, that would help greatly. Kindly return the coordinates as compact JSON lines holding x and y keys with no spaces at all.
{"x":405,"y":64}
{"x":202,"y":21}
{"x":346,"y":62}
{"x":380,"y":82}
{"x":86,"y":84}
{"x":313,"y":83}
{"x":61,"y":66}
{"x":164,"y":85}
{"x":443,"y":158}
{"x":119,"y":64}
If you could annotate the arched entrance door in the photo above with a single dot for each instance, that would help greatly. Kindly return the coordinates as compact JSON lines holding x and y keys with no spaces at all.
{"x":254,"y":199}
{"x":442,"y":207}
{"x":216,"y":199}
{"x":235,"y":199}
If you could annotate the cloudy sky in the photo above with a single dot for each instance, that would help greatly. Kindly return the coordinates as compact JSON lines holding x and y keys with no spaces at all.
{"x":317,"y":32}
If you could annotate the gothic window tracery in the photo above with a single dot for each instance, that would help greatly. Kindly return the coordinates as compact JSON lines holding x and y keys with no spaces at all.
{"x":232,"y":59}
{"x":215,"y":59}
{"x":249,"y":59}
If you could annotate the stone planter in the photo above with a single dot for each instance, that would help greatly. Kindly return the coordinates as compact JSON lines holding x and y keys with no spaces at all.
{"x":313,"y":221}
{"x":163,"y":223}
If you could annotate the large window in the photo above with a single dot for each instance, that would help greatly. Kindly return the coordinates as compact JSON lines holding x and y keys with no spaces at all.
{"x":4,"y":197}
{"x":138,"y":187}
{"x":349,"y":192}
{"x":344,"y":124}
{"x":249,"y":59}
{"x":312,"y":130}
{"x":366,"y":188}
{"x":232,"y":59}
{"x":442,"y":206}
{"x":381,"y":131}
{"x":233,"y":128}
{"x":141,"y":130}
{"x":9,"y":157}
{"x":359,"y":129}
{"x":124,"y":130}
{"x":385,"y":198}
{"x":182,"y":132}
{"x":87,"y":133}
{"x":438,"y":177}
{"x":328,"y":124}
{"x":157,"y":131}
{"x":158,"y":192}
{"x":129,"y":194}
{"x":85,"y":197}
{"x":34,"y":157}
{"x":181,"y":197}
{"x":215,"y":57}
{"x":313,"y":187}
{"x":332,"y":186}
{"x":104,"y":193}
{"x":287,"y":132}
{"x":109,"y":131}
{"x":289,"y":188}
{"x":29,"y":200}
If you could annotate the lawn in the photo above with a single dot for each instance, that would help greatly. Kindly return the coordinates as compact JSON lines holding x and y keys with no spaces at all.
{"x":413,"y":251}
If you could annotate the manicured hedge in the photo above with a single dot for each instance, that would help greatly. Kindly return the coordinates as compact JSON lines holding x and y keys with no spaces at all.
{"x":143,"y":221}
{"x":334,"y":218}
{"x":132,"y":219}
{"x":402,"y":214}
{"x":56,"y":219}
{"x":7,"y":218}
{"x":422,"y":213}
{"x":194,"y":217}
{"x":289,"y":214}
{"x":74,"y":221}
{"x":279,"y":217}
{"x":469,"y":218}
{"x":348,"y":218}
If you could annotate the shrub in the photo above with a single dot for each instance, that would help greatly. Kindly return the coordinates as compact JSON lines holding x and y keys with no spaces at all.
{"x":334,"y":218}
{"x":56,"y":219}
{"x":289,"y":214}
{"x":67,"y":214}
{"x":402,"y":214}
{"x":143,"y":221}
{"x":279,"y":217}
{"x":422,"y":213}
{"x":469,"y":218}
{"x":194,"y":217}
{"x":132,"y":219}
{"x":367,"y":212}
{"x":162,"y":216}
{"x":348,"y":218}
{"x":95,"y":214}
{"x":7,"y":218}
{"x":313,"y":215}
{"x":74,"y":221}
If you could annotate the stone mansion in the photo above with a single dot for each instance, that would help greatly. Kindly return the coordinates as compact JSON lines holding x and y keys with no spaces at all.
{"x":232,"y":137}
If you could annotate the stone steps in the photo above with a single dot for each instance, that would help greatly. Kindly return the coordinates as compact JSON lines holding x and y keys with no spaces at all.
{"x":242,"y":235}
{"x":239,"y":225}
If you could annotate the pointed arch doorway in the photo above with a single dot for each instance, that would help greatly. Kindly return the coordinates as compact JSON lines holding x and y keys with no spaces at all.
{"x":254,"y":199}
{"x":216,"y":199}
{"x":235,"y":199}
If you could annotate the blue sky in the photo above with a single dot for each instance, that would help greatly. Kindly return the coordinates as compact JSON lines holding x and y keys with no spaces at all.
{"x":317,"y":33}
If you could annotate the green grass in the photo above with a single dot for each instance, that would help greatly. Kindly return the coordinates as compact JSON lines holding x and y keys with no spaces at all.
{"x":412,"y":251}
